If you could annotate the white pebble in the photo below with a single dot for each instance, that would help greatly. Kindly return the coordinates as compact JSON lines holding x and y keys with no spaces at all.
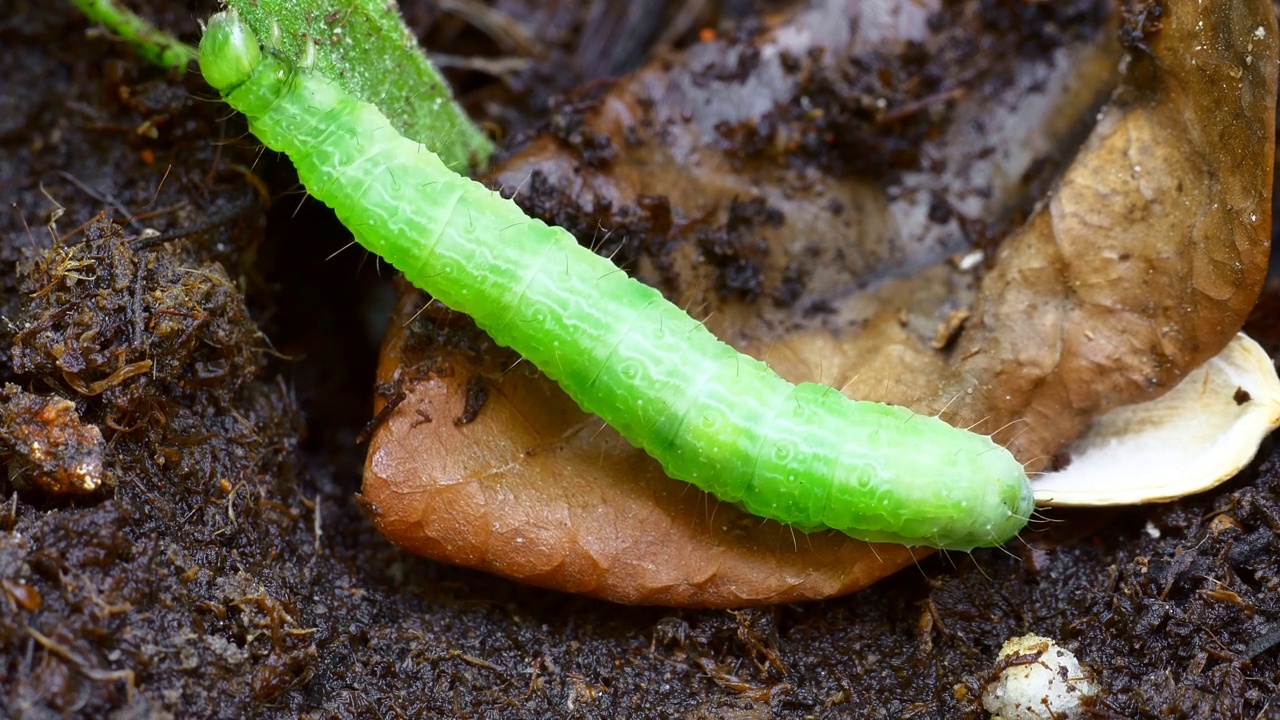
{"x":1038,"y":680}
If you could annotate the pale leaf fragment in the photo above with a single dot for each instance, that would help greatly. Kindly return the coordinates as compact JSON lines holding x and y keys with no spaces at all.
{"x":1189,"y":440}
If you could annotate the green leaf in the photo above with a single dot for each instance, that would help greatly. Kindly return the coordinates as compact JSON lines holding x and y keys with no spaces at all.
{"x":365,"y":46}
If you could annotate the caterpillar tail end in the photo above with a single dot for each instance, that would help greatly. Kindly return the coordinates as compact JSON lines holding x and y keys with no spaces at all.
{"x":229,"y":51}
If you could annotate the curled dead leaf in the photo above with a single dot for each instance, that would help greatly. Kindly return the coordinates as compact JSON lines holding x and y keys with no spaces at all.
{"x":1140,"y":265}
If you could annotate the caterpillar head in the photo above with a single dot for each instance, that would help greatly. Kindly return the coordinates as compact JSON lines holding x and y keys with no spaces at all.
{"x":229,"y":51}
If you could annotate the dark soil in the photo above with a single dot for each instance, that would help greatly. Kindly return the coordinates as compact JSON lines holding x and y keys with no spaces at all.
{"x":219,"y":565}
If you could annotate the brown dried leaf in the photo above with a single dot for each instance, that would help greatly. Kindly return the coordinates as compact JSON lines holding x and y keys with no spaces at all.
{"x":1141,"y":264}
{"x":536,"y":490}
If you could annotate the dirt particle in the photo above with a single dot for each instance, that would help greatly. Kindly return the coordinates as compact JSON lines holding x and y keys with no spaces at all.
{"x":949,"y":329}
{"x":477,"y":394}
{"x":50,"y":449}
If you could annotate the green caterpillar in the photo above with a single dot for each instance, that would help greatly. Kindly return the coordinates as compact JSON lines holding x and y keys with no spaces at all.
{"x":801,"y":454}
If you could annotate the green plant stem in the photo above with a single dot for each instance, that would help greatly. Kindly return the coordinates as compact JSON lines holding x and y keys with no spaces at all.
{"x":363,"y":45}
{"x":155,"y":45}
